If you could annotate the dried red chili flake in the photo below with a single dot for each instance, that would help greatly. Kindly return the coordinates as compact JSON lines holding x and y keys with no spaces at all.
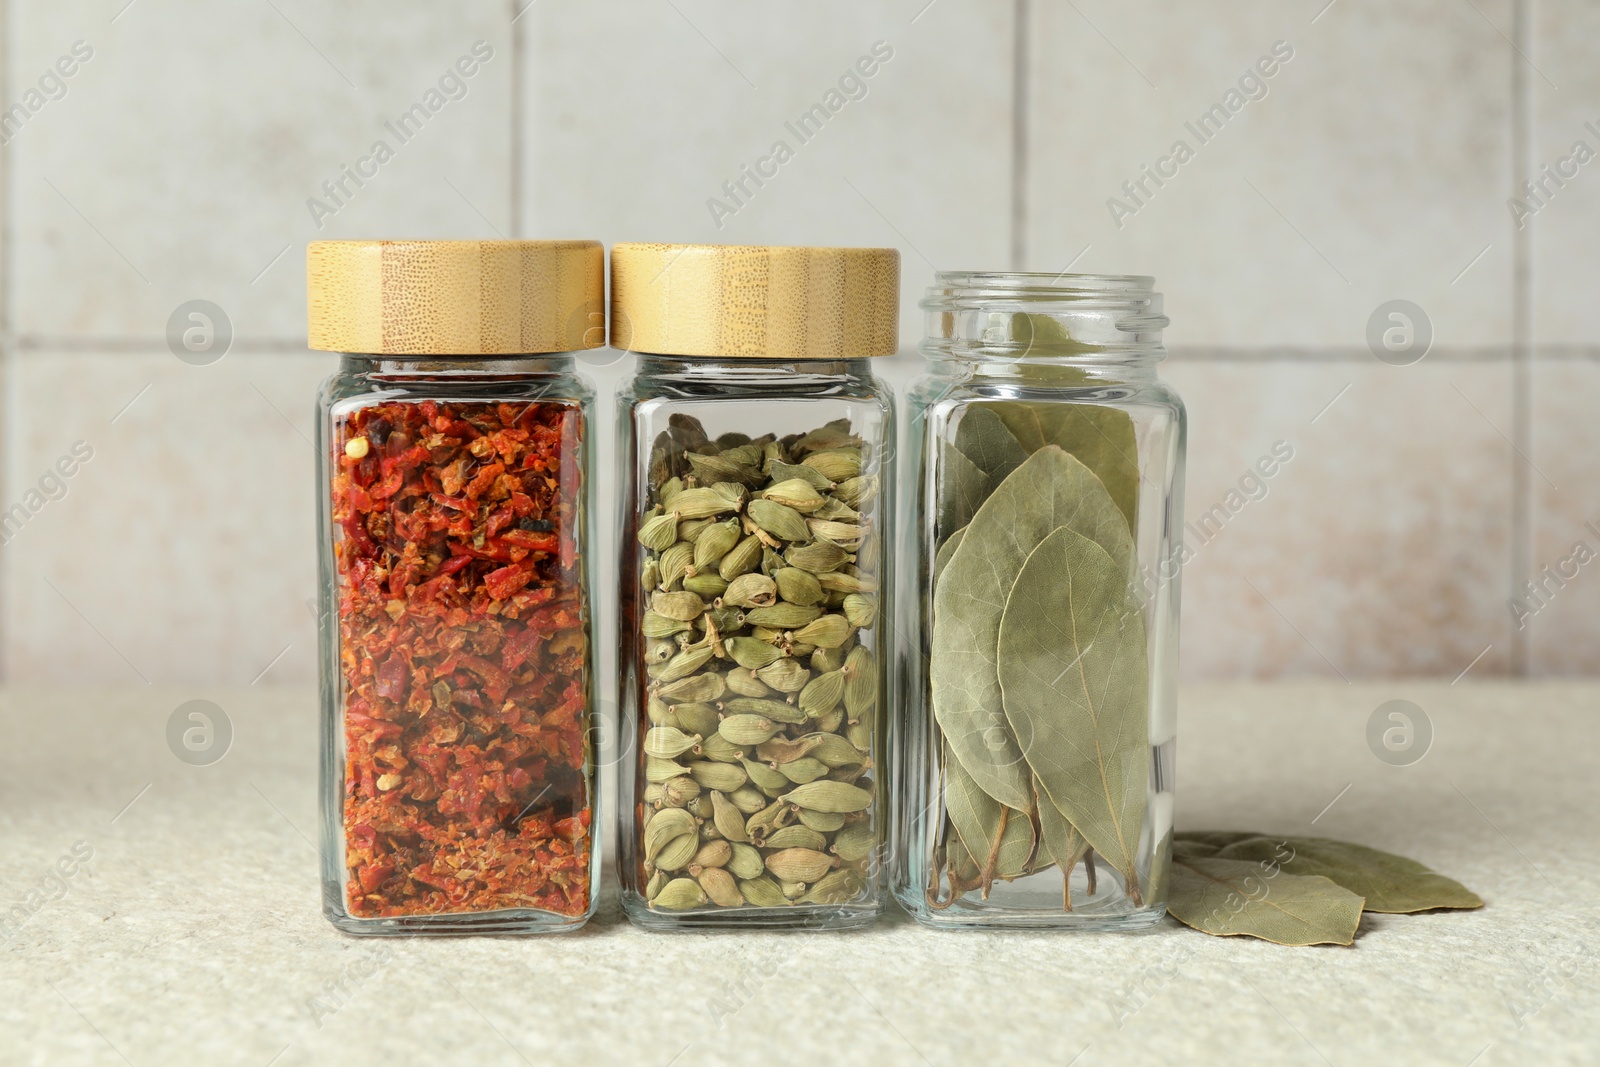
{"x":463,"y":651}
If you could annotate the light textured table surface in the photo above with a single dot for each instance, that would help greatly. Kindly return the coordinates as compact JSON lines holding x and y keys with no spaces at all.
{"x":194,"y":934}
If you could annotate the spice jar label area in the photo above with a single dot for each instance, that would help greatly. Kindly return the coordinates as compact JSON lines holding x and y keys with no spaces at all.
{"x":464,"y":658}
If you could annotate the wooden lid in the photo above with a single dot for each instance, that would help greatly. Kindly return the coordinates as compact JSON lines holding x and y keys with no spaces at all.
{"x":455,"y":297}
{"x":755,"y":301}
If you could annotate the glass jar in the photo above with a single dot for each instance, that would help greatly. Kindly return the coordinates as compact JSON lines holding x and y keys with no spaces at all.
{"x":1035,"y":755}
{"x":458,"y":778}
{"x":755,"y":558}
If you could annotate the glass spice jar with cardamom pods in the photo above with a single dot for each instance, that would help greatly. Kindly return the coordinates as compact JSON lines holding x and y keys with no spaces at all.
{"x":1035,"y":752}
{"x":756,"y":480}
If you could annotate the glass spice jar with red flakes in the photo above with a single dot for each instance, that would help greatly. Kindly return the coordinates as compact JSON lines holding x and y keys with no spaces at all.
{"x":459,"y":792}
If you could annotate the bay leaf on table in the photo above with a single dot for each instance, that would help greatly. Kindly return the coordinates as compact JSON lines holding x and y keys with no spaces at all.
{"x":1050,"y":491}
{"x":982,"y":437}
{"x":1236,"y":898}
{"x":1391,"y":884}
{"x":1074,"y":680}
{"x":1102,"y":438}
{"x":977,"y":818}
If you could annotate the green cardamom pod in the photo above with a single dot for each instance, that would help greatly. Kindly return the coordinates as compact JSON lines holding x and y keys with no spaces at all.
{"x":751,"y":591}
{"x":819,"y":558}
{"x":684,"y":663}
{"x":824,"y":660}
{"x":650,"y":575}
{"x":721,"y":887}
{"x":711,"y":469}
{"x":798,"y":587}
{"x":762,"y":892}
{"x":796,"y":836}
{"x":860,"y":683}
{"x":858,"y":491}
{"x":749,"y":652}
{"x":653,"y":887}
{"x":786,"y":750}
{"x":733,"y":492}
{"x":653,"y":625}
{"x":803,"y":770}
{"x":765,"y":778}
{"x":657,"y":650}
{"x":840,"y":582}
{"x":826,"y":796}
{"x":765,"y":821}
{"x":838,"y":887}
{"x":747,"y":729}
{"x":714,"y":542}
{"x":728,"y":818}
{"x":793,"y":892}
{"x":690,"y":529}
{"x":695,"y":688}
{"x":727,"y":620}
{"x":859,"y":734}
{"x":824,"y":822}
{"x":744,"y":681}
{"x":799,"y":864}
{"x":723,"y":777}
{"x":781,"y":616}
{"x":661,"y":770}
{"x":684,"y":606}
{"x":719,"y":749}
{"x":770,"y":561}
{"x":869,"y":552}
{"x":747,"y":799}
{"x":845,"y":534}
{"x":821,"y":694}
{"x":785,"y":675}
{"x":830,"y":722}
{"x":837,"y":510}
{"x":675,"y":563}
{"x":700,"y":807}
{"x":786,"y":472}
{"x":746,"y":862}
{"x":705,"y":586}
{"x":702,"y":503}
{"x":776,"y":710}
{"x":836,"y":751}
{"x":669,"y":489}
{"x":742,"y":558}
{"x":778,"y":520}
{"x":796,"y":493}
{"x":829,"y":631}
{"x":855,"y":842}
{"x":662,"y":828}
{"x":698,"y":719}
{"x":668,"y":742}
{"x":676,"y":854}
{"x":712,"y":854}
{"x":861,"y":609}
{"x":680,"y":894}
{"x":660,"y":532}
{"x":835,"y":464}
{"x":678,"y":792}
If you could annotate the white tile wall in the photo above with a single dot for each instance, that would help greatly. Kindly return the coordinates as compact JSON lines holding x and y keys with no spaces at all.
{"x":180,"y":159}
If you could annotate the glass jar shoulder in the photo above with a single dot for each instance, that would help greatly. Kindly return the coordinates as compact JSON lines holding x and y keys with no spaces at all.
{"x":687,"y":381}
{"x":940,"y":390}
{"x":359,"y":382}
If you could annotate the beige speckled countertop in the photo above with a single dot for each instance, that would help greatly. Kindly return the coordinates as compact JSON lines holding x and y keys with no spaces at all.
{"x":194,"y":934}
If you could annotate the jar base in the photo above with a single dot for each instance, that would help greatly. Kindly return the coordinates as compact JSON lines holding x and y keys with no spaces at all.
{"x":487,"y":924}
{"x":802,"y":917}
{"x":986,"y":915}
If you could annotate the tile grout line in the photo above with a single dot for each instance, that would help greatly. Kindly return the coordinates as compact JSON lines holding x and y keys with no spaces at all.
{"x":7,"y":280}
{"x":1020,"y":73}
{"x":518,"y":72}
{"x":1522,"y":322}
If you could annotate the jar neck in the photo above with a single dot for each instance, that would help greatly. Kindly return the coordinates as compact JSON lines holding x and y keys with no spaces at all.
{"x":435,"y":367}
{"x":741,"y":369}
{"x":1044,"y":326}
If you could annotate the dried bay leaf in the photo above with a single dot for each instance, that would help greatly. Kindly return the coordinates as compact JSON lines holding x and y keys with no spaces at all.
{"x":1391,"y":884}
{"x":946,"y":550}
{"x":1048,"y":492}
{"x":1075,"y":683}
{"x":1233,"y":898}
{"x":1060,"y":841}
{"x":1101,"y":438}
{"x":983,"y":438}
{"x":976,"y":816}
{"x":962,"y":490}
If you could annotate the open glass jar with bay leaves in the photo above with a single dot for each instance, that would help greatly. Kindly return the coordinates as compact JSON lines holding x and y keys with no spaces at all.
{"x":756,"y":469}
{"x":1035,"y":752}
{"x":459,"y":786}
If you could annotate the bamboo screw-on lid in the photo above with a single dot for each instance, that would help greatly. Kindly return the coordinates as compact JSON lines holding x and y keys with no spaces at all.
{"x":455,"y":297}
{"x":755,"y":301}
